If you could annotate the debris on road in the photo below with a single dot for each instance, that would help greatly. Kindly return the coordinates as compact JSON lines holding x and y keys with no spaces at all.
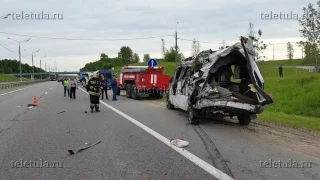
{"x":75,"y":151}
{"x":179,"y":143}
{"x":61,"y":112}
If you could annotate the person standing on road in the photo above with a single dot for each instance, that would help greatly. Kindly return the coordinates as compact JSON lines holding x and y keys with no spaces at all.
{"x":114,"y":88}
{"x":72,"y":86}
{"x":65,"y":87}
{"x":104,"y":87}
{"x":94,"y":89}
{"x":281,"y":71}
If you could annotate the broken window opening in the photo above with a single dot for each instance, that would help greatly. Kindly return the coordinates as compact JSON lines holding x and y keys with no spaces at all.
{"x":231,"y":74}
{"x":175,"y":80}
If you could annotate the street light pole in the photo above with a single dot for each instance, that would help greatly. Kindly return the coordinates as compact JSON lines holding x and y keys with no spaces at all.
{"x":19,"y":52}
{"x":20,"y":63}
{"x":32,"y":77}
{"x":176,"y":38}
{"x":40,"y":64}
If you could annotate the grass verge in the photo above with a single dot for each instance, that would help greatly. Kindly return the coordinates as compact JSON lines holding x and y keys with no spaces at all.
{"x":8,"y":78}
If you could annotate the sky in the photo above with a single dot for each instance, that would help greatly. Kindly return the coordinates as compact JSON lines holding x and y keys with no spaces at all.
{"x":106,"y":23}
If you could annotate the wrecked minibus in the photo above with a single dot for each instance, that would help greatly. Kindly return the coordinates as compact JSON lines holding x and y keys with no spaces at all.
{"x":225,"y":82}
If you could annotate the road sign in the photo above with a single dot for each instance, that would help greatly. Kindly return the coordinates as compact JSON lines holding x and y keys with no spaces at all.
{"x":152,"y":62}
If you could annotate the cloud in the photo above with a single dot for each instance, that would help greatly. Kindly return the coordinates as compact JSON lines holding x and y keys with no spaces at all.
{"x":212,"y":21}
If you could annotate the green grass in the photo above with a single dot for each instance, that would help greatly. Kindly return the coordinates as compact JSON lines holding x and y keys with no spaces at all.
{"x":8,"y":78}
{"x":296,"y":96}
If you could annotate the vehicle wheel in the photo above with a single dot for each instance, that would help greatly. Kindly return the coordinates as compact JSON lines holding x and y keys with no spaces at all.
{"x":193,"y":116}
{"x":159,"y":96}
{"x":135,"y":94}
{"x":118,"y":91}
{"x":244,"y":119}
{"x":128,"y":90}
{"x":169,"y":105}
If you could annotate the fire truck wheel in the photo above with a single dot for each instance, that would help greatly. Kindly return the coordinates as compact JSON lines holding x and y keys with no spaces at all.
{"x":193,"y":116}
{"x":135,"y":94}
{"x":159,"y":96}
{"x":118,"y":91}
{"x":128,"y":90}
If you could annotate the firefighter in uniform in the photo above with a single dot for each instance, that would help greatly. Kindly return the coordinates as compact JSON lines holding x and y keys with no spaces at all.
{"x":94,"y":88}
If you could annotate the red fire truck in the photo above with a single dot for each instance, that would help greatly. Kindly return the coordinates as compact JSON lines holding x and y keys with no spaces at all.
{"x":142,"y":80}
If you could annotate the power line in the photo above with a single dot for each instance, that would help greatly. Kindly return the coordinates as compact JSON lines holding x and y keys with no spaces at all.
{"x":2,"y":44}
{"x":211,"y":42}
{"x":7,"y":46}
{"x":199,"y":41}
{"x":74,"y":39}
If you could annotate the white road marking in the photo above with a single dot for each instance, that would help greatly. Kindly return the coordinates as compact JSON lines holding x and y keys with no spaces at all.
{"x":16,"y":90}
{"x":193,"y":158}
{"x":46,"y":93}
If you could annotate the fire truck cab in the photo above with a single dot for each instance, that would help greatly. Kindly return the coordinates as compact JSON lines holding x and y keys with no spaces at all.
{"x":143,"y":80}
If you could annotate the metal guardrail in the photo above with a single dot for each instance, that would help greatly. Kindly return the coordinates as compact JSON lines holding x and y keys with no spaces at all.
{"x":10,"y":85}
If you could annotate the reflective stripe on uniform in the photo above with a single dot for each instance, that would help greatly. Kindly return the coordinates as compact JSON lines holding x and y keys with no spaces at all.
{"x":94,"y":93}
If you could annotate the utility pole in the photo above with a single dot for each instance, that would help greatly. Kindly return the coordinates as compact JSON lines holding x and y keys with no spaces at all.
{"x":273,"y":51}
{"x":40,"y":64}
{"x":176,"y":36}
{"x":20,"y":53}
{"x":20,"y":63}
{"x":32,"y":77}
{"x":40,"y":68}
{"x":302,"y":52}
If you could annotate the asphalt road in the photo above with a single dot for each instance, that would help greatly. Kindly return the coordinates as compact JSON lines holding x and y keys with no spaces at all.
{"x":134,"y":144}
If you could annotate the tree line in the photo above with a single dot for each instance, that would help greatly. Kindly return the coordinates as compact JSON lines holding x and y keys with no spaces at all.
{"x":8,"y":66}
{"x":127,"y":56}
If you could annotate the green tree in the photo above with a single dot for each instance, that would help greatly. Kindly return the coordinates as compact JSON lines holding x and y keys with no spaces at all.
{"x":126,"y":54}
{"x":146,"y":57}
{"x":290,"y":51}
{"x":310,"y":31}
{"x":136,"y":58}
{"x":171,"y":55}
{"x":258,"y":45}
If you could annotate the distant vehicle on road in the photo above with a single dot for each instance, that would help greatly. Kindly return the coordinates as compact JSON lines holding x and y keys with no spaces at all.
{"x":226,"y":82}
{"x":142,"y":80}
{"x":53,"y":77}
{"x":83,"y":77}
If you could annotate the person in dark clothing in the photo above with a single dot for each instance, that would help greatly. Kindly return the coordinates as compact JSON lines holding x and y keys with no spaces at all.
{"x":114,"y":88}
{"x":281,"y":71}
{"x":104,"y":86}
{"x":94,"y":89}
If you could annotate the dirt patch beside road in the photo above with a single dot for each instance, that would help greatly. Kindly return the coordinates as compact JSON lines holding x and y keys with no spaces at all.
{"x":301,"y":141}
